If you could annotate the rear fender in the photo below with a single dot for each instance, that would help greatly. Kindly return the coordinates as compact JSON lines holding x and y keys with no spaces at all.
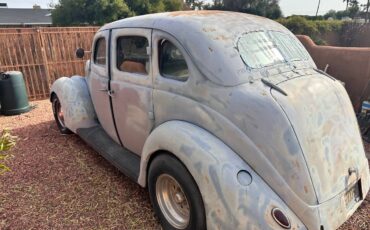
{"x":74,"y":96}
{"x":215,"y":167}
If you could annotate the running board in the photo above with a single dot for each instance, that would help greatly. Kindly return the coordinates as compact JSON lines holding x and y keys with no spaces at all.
{"x":123,"y":159}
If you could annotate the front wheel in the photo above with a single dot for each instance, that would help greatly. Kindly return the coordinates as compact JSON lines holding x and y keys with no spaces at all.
{"x":59,"y":115}
{"x":175,"y":195}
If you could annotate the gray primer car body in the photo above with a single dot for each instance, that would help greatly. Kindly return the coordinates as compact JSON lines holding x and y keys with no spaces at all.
{"x":298,"y":148}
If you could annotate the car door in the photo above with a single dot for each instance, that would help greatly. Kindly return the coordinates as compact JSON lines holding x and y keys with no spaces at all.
{"x":99,"y":83}
{"x":132,"y":86}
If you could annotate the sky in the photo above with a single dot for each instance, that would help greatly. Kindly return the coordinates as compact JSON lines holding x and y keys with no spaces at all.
{"x":289,"y":7}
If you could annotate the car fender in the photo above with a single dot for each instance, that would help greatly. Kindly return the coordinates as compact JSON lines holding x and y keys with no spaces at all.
{"x":230,"y":203}
{"x":74,"y":96}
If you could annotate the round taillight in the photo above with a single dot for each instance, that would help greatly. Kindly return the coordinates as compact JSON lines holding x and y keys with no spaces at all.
{"x":281,"y":218}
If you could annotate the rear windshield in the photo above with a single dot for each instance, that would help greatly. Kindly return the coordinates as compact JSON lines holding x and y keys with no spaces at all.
{"x":261,"y":49}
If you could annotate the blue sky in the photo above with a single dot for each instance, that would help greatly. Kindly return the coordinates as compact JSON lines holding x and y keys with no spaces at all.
{"x":288,"y":6}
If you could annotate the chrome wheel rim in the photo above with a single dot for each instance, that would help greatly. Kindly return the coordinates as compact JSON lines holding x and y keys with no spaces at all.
{"x":59,"y":113}
{"x":172,"y":201}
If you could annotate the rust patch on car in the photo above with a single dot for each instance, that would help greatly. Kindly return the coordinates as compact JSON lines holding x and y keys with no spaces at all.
{"x":194,"y":13}
{"x":222,"y":38}
{"x":305,"y":189}
{"x":208,"y":29}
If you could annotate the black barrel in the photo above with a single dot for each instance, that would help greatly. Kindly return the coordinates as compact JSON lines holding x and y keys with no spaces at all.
{"x":13,"y":94}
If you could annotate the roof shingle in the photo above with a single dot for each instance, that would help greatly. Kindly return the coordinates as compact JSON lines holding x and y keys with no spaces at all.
{"x":14,"y":16}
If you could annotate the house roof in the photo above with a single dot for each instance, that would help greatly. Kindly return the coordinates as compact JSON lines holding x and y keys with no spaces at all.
{"x":15,"y":16}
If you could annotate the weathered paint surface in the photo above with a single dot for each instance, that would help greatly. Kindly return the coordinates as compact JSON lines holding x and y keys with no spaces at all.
{"x":228,"y":204}
{"x":75,"y":99}
{"x":212,"y":46}
{"x":232,"y":121}
{"x":325,"y":124}
{"x":132,"y":99}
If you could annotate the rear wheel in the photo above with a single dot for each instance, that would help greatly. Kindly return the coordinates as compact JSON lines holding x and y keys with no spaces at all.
{"x":59,"y":115}
{"x":175,"y":195}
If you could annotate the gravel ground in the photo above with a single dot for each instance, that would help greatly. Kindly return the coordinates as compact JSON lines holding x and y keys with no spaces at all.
{"x":59,"y":182}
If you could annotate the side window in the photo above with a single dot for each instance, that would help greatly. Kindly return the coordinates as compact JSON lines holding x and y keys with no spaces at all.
{"x":132,"y":54}
{"x":172,"y":63}
{"x":100,"y":52}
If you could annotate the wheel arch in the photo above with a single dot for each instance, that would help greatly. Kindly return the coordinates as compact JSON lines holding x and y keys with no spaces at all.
{"x":74,"y":96}
{"x":215,"y":168}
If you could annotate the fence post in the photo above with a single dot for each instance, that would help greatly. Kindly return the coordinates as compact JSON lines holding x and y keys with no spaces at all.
{"x":44,"y":56}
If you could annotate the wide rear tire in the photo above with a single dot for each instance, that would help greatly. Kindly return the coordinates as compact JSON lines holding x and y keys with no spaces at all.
{"x":174,"y":194}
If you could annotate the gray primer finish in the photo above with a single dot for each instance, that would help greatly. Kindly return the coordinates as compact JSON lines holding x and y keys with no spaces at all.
{"x":298,"y":148}
{"x":75,"y":99}
{"x":210,"y":39}
{"x":228,"y":204}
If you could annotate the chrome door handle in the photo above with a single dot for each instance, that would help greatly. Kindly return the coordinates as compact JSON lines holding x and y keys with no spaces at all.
{"x":110,"y":93}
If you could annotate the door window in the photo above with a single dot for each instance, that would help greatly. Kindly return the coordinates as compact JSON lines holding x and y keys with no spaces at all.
{"x":172,"y":63}
{"x":100,"y":54}
{"x":132,"y":54}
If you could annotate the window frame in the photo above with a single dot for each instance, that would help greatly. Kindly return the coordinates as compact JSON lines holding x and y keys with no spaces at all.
{"x":269,"y":34}
{"x":158,"y":57}
{"x":127,"y":77}
{"x":115,"y":55}
{"x":97,"y":42}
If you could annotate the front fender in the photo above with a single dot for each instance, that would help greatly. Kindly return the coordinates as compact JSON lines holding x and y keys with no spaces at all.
{"x":215,"y":167}
{"x":74,"y":96}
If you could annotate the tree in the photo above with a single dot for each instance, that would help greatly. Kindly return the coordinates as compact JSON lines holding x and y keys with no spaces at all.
{"x":98,"y":12}
{"x":94,"y":12}
{"x":366,"y":10}
{"x":266,"y":8}
{"x":352,"y":10}
{"x":347,"y":3}
{"x":140,"y":7}
{"x":331,"y":14}
{"x":194,"y":4}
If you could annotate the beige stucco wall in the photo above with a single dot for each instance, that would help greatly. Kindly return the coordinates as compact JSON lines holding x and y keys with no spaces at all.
{"x":348,"y":64}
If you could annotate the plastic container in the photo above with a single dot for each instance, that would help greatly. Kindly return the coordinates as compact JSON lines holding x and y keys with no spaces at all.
{"x":13,"y":94}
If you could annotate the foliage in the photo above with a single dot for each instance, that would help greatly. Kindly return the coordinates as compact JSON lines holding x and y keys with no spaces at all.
{"x":98,"y":12}
{"x":7,"y":141}
{"x":348,"y":30}
{"x":140,"y":7}
{"x":194,"y":4}
{"x":95,"y":12}
{"x":312,"y":28}
{"x":352,"y":10}
{"x":265,"y":8}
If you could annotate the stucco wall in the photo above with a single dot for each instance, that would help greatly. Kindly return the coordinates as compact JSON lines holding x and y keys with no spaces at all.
{"x":360,"y":38}
{"x":348,"y":64}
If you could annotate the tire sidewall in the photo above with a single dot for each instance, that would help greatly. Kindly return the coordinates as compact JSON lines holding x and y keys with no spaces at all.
{"x":166,"y":164}
{"x":62,"y":129}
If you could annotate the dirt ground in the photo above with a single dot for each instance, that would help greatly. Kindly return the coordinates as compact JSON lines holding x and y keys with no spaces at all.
{"x":58,"y":182}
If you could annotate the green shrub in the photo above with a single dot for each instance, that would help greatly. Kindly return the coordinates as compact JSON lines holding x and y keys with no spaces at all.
{"x":312,"y":28}
{"x":7,"y":141}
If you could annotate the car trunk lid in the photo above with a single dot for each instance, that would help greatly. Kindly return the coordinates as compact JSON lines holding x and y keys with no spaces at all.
{"x":323,"y":119}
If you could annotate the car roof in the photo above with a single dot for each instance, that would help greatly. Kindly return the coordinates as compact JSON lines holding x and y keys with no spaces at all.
{"x":209,"y":37}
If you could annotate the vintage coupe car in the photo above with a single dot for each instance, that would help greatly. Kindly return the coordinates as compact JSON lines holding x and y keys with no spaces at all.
{"x":224,"y":117}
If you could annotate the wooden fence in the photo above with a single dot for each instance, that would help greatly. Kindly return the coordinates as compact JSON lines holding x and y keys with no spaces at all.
{"x":44,"y":54}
